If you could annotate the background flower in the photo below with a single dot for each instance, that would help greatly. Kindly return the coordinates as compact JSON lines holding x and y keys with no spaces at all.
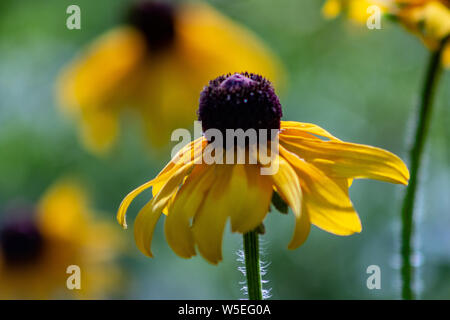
{"x":39,"y":243}
{"x":428,"y":19}
{"x":156,"y":63}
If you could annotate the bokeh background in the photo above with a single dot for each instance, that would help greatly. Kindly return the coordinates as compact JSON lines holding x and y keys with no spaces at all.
{"x":362,"y":85}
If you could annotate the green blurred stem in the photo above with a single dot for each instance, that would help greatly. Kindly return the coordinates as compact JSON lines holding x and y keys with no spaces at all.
{"x":252,"y":266}
{"x":421,"y":130}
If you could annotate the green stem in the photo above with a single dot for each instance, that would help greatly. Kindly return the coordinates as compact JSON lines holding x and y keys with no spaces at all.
{"x":423,"y":123}
{"x":252,"y":266}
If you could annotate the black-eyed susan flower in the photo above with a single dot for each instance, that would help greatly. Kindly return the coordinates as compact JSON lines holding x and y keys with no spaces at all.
{"x":315,"y":170}
{"x":38,"y":244}
{"x":156,"y":64}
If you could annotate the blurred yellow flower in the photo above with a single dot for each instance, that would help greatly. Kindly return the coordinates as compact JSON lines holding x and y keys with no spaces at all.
{"x":356,"y":10}
{"x":156,"y":64}
{"x":38,"y":245}
{"x":315,"y":172}
{"x":428,"y":19}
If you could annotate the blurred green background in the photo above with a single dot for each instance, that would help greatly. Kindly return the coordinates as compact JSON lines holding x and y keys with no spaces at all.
{"x":362,"y":85}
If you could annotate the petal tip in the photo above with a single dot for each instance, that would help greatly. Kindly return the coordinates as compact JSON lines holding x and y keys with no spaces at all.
{"x":214,"y":262}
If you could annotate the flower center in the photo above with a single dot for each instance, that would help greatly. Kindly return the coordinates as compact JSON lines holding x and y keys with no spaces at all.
{"x":20,"y":241}
{"x":239,"y":101}
{"x":156,"y":20}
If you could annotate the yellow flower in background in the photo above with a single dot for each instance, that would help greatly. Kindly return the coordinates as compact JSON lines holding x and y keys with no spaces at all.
{"x":356,"y":10}
{"x":37,"y":245}
{"x":315,"y":171}
{"x":428,"y":19}
{"x":156,"y":64}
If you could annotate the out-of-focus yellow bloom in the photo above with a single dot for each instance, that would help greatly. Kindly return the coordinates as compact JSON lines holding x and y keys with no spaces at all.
{"x":314,"y":173}
{"x":428,"y":19}
{"x":356,"y":10}
{"x":37,"y":247}
{"x":156,"y":64}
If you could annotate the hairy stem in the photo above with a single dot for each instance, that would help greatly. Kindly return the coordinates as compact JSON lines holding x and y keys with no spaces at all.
{"x":252,"y":265}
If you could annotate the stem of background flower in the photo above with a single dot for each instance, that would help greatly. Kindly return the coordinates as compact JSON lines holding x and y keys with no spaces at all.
{"x":423,"y":122}
{"x":252,"y":266}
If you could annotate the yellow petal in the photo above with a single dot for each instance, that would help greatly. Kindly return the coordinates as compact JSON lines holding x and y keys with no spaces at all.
{"x":348,"y":160}
{"x":249,"y":195}
{"x":190,"y":152}
{"x":209,"y":222}
{"x":317,"y":184}
{"x":307,"y":130}
{"x":302,"y":228}
{"x":338,"y":221}
{"x":326,"y":201}
{"x":144,"y":225}
{"x":121,"y":214}
{"x":177,"y":226}
{"x":170,"y":188}
{"x":185,"y":158}
{"x":238,"y":186}
{"x":288,"y":186}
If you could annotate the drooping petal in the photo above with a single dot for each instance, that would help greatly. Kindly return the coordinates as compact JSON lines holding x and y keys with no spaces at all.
{"x":249,"y":196}
{"x":144,"y":225}
{"x":288,"y":186}
{"x":348,"y":160}
{"x":339,"y":221}
{"x":302,"y":228}
{"x":188,"y":153}
{"x":209,"y":222}
{"x":191,"y":152}
{"x":315,"y":183}
{"x":185,"y":159}
{"x":121,"y":214}
{"x":239,"y":186}
{"x":170,"y":188}
{"x":186,"y":204}
{"x":327,"y":203}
